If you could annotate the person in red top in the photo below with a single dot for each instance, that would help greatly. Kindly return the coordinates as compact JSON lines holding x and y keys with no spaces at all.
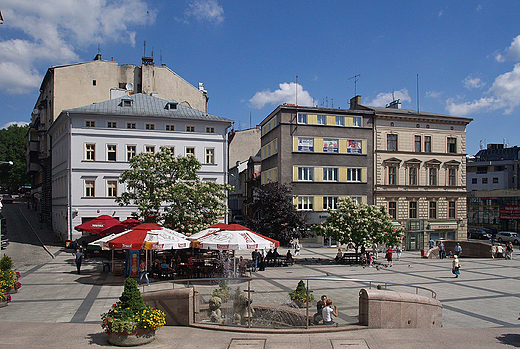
{"x":389,"y":253}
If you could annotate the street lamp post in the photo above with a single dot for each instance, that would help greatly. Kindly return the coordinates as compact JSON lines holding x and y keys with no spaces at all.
{"x":1,"y":205}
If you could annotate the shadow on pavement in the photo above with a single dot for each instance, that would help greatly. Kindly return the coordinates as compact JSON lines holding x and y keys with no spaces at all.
{"x":510,"y":339}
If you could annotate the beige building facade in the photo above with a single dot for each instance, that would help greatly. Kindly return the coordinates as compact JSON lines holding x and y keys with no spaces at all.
{"x":420,"y":172}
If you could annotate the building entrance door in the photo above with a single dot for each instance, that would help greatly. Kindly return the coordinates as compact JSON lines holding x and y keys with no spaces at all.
{"x":414,"y":241}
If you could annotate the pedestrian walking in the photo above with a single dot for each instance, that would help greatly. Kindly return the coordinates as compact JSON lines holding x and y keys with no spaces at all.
{"x":78,"y":259}
{"x":254,"y":258}
{"x":399,"y":251}
{"x":509,"y":250}
{"x":143,"y":272}
{"x":442,"y":252}
{"x":432,"y":243}
{"x":455,"y":266}
{"x":458,"y":249}
{"x":297,"y":249}
{"x":389,"y":254}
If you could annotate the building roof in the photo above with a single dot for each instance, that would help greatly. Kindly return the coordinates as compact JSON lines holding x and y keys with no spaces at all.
{"x":498,"y":154}
{"x":145,"y":105}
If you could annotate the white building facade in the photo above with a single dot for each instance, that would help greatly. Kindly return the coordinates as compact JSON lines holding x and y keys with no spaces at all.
{"x":92,"y":146}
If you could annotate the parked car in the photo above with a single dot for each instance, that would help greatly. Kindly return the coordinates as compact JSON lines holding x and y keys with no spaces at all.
{"x":7,"y":199}
{"x":507,"y":236}
{"x":478,"y":233}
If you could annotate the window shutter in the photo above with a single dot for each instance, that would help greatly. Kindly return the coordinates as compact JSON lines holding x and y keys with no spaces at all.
{"x":312,"y":119}
{"x":342,"y":174}
{"x":364,"y":175}
{"x":318,"y":174}
{"x":318,"y":145}
{"x":318,"y":203}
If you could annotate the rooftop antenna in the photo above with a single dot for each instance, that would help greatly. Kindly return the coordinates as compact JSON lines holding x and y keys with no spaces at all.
{"x":417,"y":93}
{"x":296,"y":90}
{"x":144,"y":49}
{"x":98,"y":49}
{"x":249,"y":119}
{"x":152,"y":51}
{"x":356,"y":78}
{"x":160,"y":56}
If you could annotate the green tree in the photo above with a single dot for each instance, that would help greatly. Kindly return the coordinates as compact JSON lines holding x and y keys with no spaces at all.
{"x":166,"y":189}
{"x":13,"y":142}
{"x":272,"y":213}
{"x":361,"y":224}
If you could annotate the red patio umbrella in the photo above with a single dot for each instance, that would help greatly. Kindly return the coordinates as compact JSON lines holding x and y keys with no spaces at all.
{"x":98,"y":224}
{"x":120,"y":227}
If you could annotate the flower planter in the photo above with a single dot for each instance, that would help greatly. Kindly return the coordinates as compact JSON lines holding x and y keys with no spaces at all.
{"x":3,"y":303}
{"x":12,"y":290}
{"x":139,"y":337}
{"x":301,"y":304}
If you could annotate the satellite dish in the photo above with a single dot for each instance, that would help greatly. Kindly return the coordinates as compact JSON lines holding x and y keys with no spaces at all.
{"x":129,"y":86}
{"x":36,"y":111}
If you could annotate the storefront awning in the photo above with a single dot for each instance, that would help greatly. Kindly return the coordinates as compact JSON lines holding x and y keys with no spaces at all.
{"x":443,"y":225}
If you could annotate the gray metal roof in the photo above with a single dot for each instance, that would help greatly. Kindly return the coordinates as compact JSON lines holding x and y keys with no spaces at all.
{"x":145,"y":105}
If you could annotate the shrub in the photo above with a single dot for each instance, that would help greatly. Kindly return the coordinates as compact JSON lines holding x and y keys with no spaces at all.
{"x":6,"y":263}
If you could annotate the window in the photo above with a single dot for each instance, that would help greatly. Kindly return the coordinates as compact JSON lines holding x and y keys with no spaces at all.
{"x":392,"y":175}
{"x":428,"y":144}
{"x":90,"y":123}
{"x":305,"y":173}
{"x":111,"y":152}
{"x":433,"y":210}
{"x":190,"y":128}
{"x":452,"y":177}
{"x":392,"y":209}
{"x":210,"y":129}
{"x":130,"y":152}
{"x":190,"y":151}
{"x":112,"y":189}
{"x":391,"y":142}
{"x":412,"y":176}
{"x":210,"y":156}
{"x":171,"y":105}
{"x":495,"y":180}
{"x":149,"y":126}
{"x":330,"y":174}
{"x":330,"y":202}
{"x":130,"y":125}
{"x":433,"y":176}
{"x":353,"y":175}
{"x":452,"y":145}
{"x":418,"y":141}
{"x":170,"y":127}
{"x":90,"y":188}
{"x":94,"y":82}
{"x":484,"y":180}
{"x":305,"y":202}
{"x":356,"y":121}
{"x":340,"y":121}
{"x":90,"y":152}
{"x":412,"y":212}
{"x":322,"y":120}
{"x":500,"y":168}
{"x":111,"y":124}
{"x":126,"y":103}
{"x":481,"y":169}
{"x":150,"y":149}
{"x":473,"y":180}
{"x":451,"y":209}
{"x":302,"y":118}
{"x":330,"y":145}
{"x":306,"y":144}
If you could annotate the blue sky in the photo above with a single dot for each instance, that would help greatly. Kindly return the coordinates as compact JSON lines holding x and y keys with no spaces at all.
{"x":248,"y":53}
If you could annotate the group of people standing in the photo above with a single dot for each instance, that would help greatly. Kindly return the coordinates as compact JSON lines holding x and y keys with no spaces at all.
{"x":500,"y":251}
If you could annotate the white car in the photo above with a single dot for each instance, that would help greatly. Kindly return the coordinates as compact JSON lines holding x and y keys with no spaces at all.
{"x":506,"y":236}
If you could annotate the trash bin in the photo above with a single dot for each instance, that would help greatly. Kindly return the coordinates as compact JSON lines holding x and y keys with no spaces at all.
{"x":68,"y":243}
{"x":422,"y":252}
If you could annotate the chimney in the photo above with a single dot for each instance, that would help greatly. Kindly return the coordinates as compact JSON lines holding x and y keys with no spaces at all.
{"x":98,"y":57}
{"x":355,"y":102}
{"x":147,"y":75}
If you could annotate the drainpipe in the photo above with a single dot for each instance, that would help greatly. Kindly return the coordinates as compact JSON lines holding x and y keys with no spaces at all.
{"x":69,"y":170}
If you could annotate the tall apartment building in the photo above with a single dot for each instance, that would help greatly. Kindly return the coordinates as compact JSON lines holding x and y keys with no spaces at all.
{"x":76,"y":85}
{"x":420,"y":171}
{"x":325,"y":154}
{"x":92,"y":145}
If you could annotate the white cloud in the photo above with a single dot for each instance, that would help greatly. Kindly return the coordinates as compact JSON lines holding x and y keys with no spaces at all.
{"x":472,"y":82}
{"x":479,"y":8}
{"x":53,"y":28}
{"x":433,"y":94}
{"x":383,"y":98}
{"x":19,"y":123}
{"x":206,"y":10}
{"x":285,"y":94}
{"x":504,"y":94}
{"x":511,"y":53}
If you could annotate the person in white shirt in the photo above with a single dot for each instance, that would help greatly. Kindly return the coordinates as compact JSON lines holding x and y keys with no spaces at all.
{"x":327,"y":313}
